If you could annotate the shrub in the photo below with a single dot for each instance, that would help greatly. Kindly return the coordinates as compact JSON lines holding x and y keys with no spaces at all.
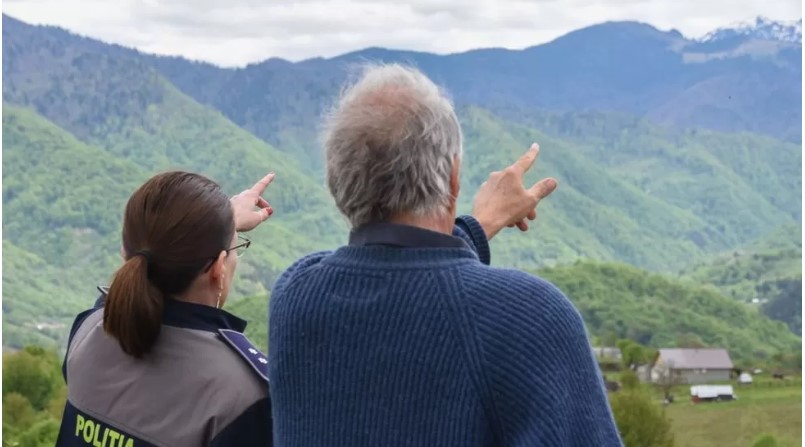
{"x":629,"y":380}
{"x":765,"y":441}
{"x":641,"y":421}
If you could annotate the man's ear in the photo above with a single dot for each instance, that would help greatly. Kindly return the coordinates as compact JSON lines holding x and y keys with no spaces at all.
{"x":455,"y":179}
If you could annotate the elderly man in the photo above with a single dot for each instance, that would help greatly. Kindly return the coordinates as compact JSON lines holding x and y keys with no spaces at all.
{"x":406,"y":336}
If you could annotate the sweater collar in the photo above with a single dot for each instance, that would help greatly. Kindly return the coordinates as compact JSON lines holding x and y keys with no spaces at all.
{"x":403,"y":236}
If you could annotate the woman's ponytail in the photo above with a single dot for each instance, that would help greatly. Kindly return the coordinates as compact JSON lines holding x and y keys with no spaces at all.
{"x":133,"y":310}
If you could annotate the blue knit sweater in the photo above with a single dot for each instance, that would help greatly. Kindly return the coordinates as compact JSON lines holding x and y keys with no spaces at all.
{"x":406,"y":337}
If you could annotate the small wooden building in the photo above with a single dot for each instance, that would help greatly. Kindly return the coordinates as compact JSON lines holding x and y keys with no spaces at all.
{"x":692,"y":366}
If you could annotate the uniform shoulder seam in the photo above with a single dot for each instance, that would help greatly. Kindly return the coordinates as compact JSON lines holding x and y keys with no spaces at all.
{"x":243,"y":347}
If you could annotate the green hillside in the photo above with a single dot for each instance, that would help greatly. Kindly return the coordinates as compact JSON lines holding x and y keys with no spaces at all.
{"x":627,"y":302}
{"x":63,"y":216}
{"x":124,"y":107}
{"x":741,"y":273}
{"x":254,"y":310}
{"x":784,"y":238}
{"x":767,"y":273}
{"x":647,"y":196}
{"x":594,"y":214}
{"x":783,"y":301}
{"x":659,"y":311}
{"x":62,"y":225}
{"x":29,"y":313}
{"x":743,"y":185}
{"x":102,"y":125}
{"x":620,"y":140}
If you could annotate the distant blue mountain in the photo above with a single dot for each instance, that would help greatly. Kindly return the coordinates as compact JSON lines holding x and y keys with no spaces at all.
{"x":745,"y":79}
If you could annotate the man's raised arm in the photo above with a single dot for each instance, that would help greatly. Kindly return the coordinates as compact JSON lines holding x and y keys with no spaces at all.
{"x":502,"y":201}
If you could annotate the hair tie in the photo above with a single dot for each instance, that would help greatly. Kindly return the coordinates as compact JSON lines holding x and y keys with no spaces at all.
{"x":145,"y":254}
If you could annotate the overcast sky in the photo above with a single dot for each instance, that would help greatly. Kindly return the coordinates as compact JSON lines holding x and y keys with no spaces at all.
{"x":237,"y":32}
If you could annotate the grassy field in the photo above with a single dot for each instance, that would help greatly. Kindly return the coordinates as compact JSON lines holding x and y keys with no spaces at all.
{"x":763,"y":408}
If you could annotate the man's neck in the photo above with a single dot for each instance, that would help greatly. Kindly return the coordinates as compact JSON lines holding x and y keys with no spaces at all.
{"x":441,"y":224}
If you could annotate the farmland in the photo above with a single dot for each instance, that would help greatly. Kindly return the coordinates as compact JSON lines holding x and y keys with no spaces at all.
{"x":763,"y":408}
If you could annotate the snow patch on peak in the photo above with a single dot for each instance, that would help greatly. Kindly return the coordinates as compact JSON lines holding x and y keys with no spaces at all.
{"x":761,"y":28}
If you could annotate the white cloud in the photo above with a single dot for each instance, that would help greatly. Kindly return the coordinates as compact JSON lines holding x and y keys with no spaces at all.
{"x":237,"y":32}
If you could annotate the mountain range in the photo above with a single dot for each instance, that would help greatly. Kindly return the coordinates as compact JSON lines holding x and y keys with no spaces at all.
{"x":669,"y":151}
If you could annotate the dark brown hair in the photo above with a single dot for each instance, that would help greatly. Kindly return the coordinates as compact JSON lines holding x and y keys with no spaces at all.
{"x":174,"y":226}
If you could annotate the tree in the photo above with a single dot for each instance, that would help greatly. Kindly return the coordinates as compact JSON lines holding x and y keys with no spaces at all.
{"x":41,"y":434}
{"x":33,"y":397}
{"x":778,"y":360}
{"x":17,"y":410}
{"x":632,"y":354}
{"x":785,"y":302}
{"x":610,"y":339}
{"x":641,"y":422}
{"x":55,"y":407}
{"x":689,"y":340}
{"x":32,"y":373}
{"x":668,"y":378}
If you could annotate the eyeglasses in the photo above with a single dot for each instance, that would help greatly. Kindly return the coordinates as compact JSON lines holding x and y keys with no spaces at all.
{"x":239,"y":249}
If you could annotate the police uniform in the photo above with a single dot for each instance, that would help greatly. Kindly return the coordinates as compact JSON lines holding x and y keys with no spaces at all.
{"x":203,"y":384}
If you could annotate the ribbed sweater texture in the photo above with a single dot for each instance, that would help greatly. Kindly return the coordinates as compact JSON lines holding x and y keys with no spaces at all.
{"x":387,"y":346}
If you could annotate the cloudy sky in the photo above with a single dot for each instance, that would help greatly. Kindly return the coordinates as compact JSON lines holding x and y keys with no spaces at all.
{"x":237,"y":32}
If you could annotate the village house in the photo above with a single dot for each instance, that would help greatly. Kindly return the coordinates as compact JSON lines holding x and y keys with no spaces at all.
{"x":692,"y":366}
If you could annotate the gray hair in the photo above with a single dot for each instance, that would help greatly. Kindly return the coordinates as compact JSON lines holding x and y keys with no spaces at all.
{"x":390,"y":143}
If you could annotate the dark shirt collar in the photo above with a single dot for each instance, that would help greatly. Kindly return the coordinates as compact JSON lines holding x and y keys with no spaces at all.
{"x":404,"y":236}
{"x":198,"y":316}
{"x":190,"y":315}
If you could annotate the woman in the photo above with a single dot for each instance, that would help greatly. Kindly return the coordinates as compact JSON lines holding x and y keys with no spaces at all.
{"x":157,"y":362}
